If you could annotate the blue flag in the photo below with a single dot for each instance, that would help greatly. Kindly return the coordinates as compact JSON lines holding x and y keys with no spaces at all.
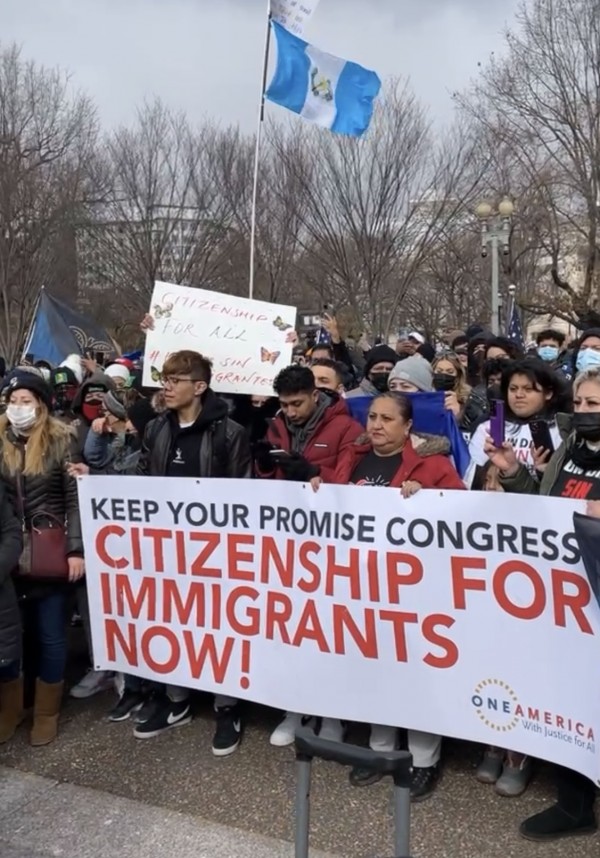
{"x":514,"y":330}
{"x":324,"y":89}
{"x":57,"y":331}
{"x":429,"y":416}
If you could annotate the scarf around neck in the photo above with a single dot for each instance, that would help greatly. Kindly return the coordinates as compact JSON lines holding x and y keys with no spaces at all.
{"x":301,"y":435}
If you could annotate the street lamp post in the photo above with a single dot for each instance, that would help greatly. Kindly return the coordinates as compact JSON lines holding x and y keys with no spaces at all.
{"x":495,"y":233}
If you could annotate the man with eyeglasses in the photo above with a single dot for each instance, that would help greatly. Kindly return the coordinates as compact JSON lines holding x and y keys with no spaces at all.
{"x":193,"y":438}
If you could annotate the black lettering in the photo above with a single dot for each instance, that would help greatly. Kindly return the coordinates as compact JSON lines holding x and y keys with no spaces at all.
{"x":548,"y":538}
{"x":118,"y":509}
{"x":98,"y":510}
{"x":507,"y":536}
{"x":192,"y":508}
{"x":569,"y":543}
{"x":347,"y":527}
{"x":389,"y":531}
{"x":429,"y":534}
{"x":366,"y":528}
{"x":266,"y":514}
{"x":529,"y":547}
{"x":454,"y":536}
{"x":483,"y":543}
{"x":240,"y":514}
{"x":134,"y":508}
{"x":175,"y":510}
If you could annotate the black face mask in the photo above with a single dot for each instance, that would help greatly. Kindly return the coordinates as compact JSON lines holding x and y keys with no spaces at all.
{"x":444,"y":382}
{"x":379,"y":380}
{"x":587,"y":426}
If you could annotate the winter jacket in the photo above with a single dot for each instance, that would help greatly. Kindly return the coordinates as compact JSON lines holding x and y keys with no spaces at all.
{"x":424,"y":460}
{"x":53,"y":492}
{"x":524,"y":483}
{"x":365,"y":388}
{"x":80,"y":424}
{"x":107,"y":453}
{"x":11,"y":543}
{"x":334,"y":434}
{"x":224,"y":447}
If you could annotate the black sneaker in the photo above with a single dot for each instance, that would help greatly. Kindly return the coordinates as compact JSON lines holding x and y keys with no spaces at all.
{"x":166,"y":714}
{"x":152,"y":702}
{"x":129,"y":702}
{"x":424,"y":781}
{"x":360,"y":777}
{"x":228,"y":733}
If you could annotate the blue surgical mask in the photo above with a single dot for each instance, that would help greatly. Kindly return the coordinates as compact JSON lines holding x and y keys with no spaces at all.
{"x":587,"y":359}
{"x":549,"y":353}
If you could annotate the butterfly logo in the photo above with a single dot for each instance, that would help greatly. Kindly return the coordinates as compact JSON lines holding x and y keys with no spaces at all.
{"x":161,"y":312}
{"x":268,"y":357}
{"x":155,"y":374}
{"x":281,"y":325}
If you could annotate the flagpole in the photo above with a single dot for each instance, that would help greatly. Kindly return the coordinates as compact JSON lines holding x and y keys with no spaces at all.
{"x":261,"y":117}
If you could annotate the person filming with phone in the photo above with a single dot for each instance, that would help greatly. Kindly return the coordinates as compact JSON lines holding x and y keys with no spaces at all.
{"x":525,"y":416}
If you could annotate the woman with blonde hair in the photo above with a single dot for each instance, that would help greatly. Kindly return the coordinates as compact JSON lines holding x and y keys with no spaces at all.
{"x":35,"y":449}
{"x":465,"y":402}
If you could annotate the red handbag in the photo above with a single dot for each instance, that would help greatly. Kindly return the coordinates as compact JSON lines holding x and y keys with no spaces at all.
{"x":44,"y":554}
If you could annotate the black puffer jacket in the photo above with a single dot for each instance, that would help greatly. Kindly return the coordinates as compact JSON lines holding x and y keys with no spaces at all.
{"x":224,"y":446}
{"x":53,"y":492}
{"x":10,"y":550}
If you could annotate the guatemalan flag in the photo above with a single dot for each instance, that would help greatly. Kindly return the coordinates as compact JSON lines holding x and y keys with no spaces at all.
{"x":324,"y":89}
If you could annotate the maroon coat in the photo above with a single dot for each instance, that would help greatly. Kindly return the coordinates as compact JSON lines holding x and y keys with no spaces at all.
{"x":422,"y":460}
{"x":335,"y":434}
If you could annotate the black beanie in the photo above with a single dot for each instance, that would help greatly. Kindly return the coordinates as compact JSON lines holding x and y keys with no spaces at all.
{"x":21,"y":380}
{"x":140,"y":414}
{"x":380,"y":354}
{"x":63,"y":375}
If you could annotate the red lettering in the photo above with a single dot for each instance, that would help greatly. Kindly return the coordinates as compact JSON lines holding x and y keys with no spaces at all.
{"x":173,"y":603}
{"x":208,"y":649}
{"x":158,"y":536}
{"x":460,"y":584}
{"x":113,"y":636}
{"x":101,"y":550}
{"x":395,"y":580}
{"x":212,"y":541}
{"x":236,"y":556}
{"x":252,"y":627}
{"x":132,"y":604}
{"x":279,"y":612}
{"x":351,"y":572}
{"x":309,"y":628}
{"x":399,"y":621}
{"x":270,"y":555}
{"x":105,"y":590}
{"x":366,"y":640}
{"x":575,"y":602}
{"x":312,"y":584}
{"x":501,"y":576}
{"x":170,"y":638}
{"x":450,"y":658}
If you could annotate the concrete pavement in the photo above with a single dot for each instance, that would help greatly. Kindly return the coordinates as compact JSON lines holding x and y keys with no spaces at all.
{"x":249,"y":793}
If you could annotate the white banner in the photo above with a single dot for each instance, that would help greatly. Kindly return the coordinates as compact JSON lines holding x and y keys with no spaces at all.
{"x":247,"y":341}
{"x":461,"y":614}
{"x":294,"y":15}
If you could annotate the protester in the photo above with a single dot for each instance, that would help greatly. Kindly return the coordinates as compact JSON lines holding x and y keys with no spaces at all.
{"x":35,"y":449}
{"x":379,"y":362}
{"x":11,"y":633}
{"x":392,"y":456}
{"x":329,"y":375}
{"x":194,"y":438}
{"x":572,"y":471}
{"x":530,"y":391}
{"x":411,"y":375}
{"x":586,"y":354}
{"x":88,"y":404}
{"x":501,"y":347}
{"x":460,"y":347}
{"x":119,"y":373}
{"x":306,"y":440}
{"x":450,"y":378}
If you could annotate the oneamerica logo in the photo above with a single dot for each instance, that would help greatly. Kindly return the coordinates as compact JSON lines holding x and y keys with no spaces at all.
{"x":495,"y":704}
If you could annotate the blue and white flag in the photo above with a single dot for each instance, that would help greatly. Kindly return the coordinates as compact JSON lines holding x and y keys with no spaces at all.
{"x":324,"y":89}
{"x":514,"y":330}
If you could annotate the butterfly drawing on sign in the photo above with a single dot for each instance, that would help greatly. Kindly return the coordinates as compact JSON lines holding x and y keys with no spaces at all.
{"x":268,"y":357}
{"x":163,"y":312}
{"x":155,"y":374}
{"x":281,"y":325}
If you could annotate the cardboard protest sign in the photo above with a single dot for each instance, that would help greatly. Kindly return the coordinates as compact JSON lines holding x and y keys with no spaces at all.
{"x":466,"y":615}
{"x":248,"y":342}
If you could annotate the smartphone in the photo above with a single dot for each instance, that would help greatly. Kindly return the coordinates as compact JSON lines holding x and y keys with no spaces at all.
{"x":279,"y":454}
{"x":497,"y":423}
{"x":403,"y":334}
{"x":540,"y":433}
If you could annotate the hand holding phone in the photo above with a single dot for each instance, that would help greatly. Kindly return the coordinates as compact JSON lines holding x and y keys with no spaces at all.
{"x":540,"y":434}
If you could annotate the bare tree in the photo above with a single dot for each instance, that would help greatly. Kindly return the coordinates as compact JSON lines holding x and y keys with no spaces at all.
{"x":47,"y":136}
{"x":541,"y":101}
{"x":373,"y":207}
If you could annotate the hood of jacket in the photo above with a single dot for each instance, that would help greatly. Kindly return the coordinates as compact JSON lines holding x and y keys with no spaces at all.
{"x":213,"y":408}
{"x":96,"y":378}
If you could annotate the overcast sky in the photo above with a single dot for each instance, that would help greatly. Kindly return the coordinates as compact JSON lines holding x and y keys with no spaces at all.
{"x":205,"y":56}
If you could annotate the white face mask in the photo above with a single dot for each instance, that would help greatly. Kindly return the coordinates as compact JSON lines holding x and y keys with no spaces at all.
{"x":21,"y":417}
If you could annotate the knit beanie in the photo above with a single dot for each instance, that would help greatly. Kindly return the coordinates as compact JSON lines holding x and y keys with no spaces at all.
{"x":416,"y":370}
{"x":380,"y":354}
{"x":113,"y":404}
{"x":140,"y":414}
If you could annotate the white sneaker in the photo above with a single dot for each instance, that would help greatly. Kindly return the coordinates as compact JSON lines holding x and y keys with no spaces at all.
{"x":92,"y":683}
{"x":332,"y":729}
{"x":285,"y":733}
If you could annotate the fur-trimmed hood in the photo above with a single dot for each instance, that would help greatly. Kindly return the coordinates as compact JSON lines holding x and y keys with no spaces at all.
{"x":423,"y":444}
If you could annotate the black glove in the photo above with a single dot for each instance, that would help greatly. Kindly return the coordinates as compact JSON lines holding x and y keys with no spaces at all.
{"x":297,"y":469}
{"x":262,"y":457}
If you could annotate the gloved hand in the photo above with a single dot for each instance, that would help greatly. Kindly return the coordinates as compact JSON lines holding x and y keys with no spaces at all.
{"x":297,"y":469}
{"x":264,"y":461}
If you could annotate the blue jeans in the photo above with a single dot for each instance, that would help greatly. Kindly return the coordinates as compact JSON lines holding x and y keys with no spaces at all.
{"x":50,"y":617}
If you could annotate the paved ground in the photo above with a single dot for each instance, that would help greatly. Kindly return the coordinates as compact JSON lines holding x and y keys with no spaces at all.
{"x":253,"y":790}
{"x":40,"y":818}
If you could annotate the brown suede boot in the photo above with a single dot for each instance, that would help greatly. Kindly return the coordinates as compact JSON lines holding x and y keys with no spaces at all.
{"x":11,"y":708}
{"x":48,"y":698}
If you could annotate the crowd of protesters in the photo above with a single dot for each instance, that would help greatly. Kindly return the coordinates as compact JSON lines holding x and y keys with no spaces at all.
{"x":80,"y":417}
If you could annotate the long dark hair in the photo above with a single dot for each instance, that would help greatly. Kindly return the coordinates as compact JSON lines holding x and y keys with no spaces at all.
{"x":543,"y":377}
